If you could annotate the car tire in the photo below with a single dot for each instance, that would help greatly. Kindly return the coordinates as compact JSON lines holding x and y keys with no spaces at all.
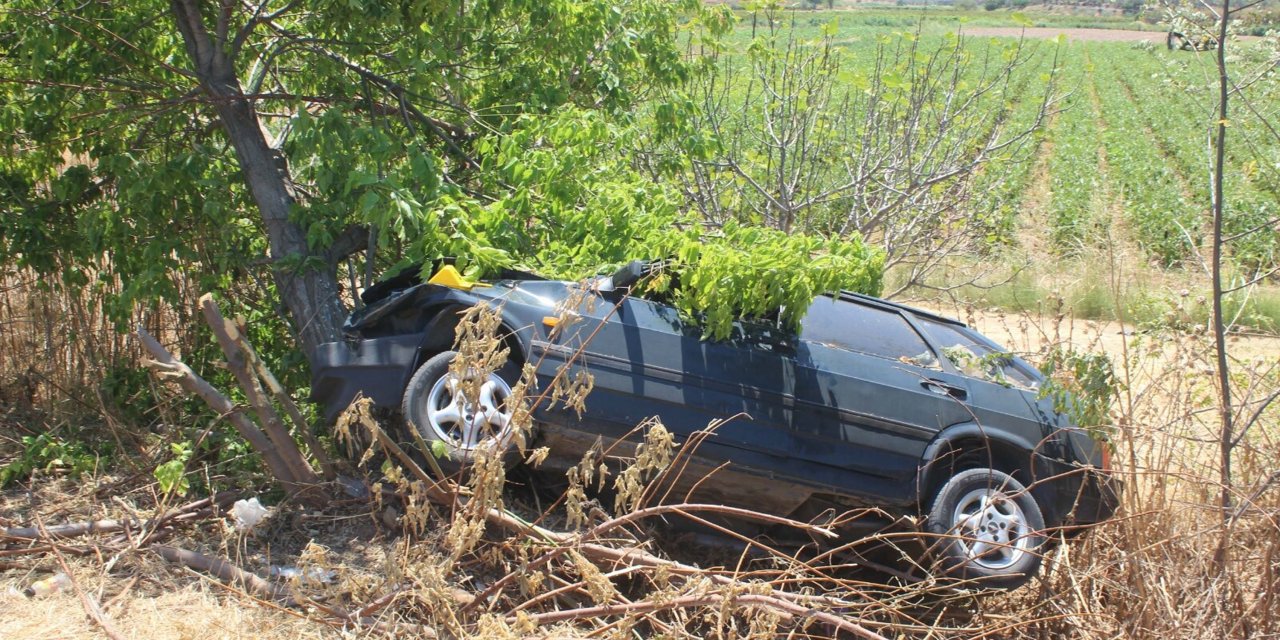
{"x":438,"y":411}
{"x":989,"y":529}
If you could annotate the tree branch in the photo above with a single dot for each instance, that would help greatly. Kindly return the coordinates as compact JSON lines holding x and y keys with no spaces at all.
{"x":448,"y":133}
{"x":170,"y":368}
{"x":194,"y":35}
{"x":351,"y":240}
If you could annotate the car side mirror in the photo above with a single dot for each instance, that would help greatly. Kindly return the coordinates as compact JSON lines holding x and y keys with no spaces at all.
{"x":601,"y":284}
{"x":631,"y":273}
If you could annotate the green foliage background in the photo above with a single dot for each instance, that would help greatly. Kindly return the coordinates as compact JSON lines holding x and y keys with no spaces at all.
{"x":502,"y":132}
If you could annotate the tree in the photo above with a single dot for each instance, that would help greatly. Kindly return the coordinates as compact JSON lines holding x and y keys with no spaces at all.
{"x":216,"y":138}
{"x":1236,"y":232}
{"x":792,"y":139}
{"x":223,"y":139}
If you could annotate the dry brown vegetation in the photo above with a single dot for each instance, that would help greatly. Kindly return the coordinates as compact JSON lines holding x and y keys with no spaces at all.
{"x":424,"y":558}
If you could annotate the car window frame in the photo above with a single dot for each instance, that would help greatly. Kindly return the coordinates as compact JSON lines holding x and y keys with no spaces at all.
{"x":943,"y":363}
{"x":745,"y":333}
{"x":1021,"y":365}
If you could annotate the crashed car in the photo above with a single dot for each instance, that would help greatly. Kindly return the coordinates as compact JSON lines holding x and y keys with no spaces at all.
{"x":871,"y":406}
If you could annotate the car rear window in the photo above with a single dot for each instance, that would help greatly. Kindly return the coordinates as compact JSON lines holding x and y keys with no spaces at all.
{"x":862,"y":328}
{"x":975,"y":356}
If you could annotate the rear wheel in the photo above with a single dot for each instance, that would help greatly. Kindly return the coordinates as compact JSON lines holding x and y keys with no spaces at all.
{"x":989,"y":527}
{"x":437,"y":406}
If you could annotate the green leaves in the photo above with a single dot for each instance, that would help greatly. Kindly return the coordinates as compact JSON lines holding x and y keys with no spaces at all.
{"x":1076,"y":184}
{"x":438,"y":449}
{"x":759,"y":273}
{"x":1082,"y":386}
{"x":578,"y":205}
{"x":171,"y":475}
{"x":358,"y":95}
{"x":506,"y":133}
{"x":1164,"y":222}
{"x":48,"y":452}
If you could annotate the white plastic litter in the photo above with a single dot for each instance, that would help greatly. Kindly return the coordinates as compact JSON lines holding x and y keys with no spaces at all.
{"x":310,"y":575}
{"x":248,"y":513}
{"x":49,"y":586}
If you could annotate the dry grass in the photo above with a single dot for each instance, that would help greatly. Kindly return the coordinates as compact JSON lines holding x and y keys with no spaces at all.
{"x":194,"y":611}
{"x":1151,"y":573}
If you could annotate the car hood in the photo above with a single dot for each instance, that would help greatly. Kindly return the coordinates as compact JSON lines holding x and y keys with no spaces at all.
{"x":534,"y":293}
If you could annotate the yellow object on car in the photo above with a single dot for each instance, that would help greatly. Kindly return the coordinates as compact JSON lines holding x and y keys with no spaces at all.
{"x":448,"y":276}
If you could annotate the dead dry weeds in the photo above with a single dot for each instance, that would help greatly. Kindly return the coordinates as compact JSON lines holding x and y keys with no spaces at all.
{"x":515,"y":564}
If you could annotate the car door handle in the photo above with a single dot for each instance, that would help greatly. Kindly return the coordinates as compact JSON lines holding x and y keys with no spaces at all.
{"x":944,"y":389}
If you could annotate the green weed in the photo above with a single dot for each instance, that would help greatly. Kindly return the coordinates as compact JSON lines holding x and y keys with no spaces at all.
{"x":48,"y":452}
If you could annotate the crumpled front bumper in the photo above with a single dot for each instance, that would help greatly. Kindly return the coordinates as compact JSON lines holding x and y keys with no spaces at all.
{"x":1076,"y":495}
{"x":1099,"y":497}
{"x":377,"y":368}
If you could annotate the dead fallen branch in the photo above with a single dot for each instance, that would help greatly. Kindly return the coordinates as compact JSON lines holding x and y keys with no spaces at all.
{"x":778,"y":602}
{"x":45,"y":548}
{"x":167,"y":367}
{"x":566,"y":542}
{"x":298,"y":470}
{"x":339,"y":617}
{"x":234,"y":330}
{"x":190,"y":511}
{"x":787,"y":610}
{"x":69,"y":530}
{"x":91,"y":606}
{"x":223,"y":570}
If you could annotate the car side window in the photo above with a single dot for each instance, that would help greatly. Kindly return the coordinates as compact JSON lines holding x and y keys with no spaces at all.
{"x":865,"y":329}
{"x":763,"y":336}
{"x":653,"y":316}
{"x":975,"y":357}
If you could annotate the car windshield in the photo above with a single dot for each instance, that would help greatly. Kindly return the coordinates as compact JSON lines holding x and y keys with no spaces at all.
{"x":977,"y":357}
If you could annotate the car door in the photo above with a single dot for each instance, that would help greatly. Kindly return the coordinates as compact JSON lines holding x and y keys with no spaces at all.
{"x":1003,"y":388}
{"x":870,"y":395}
{"x":646,"y":361}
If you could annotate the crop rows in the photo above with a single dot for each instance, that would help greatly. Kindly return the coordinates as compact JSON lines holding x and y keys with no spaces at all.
{"x":1148,"y":113}
{"x":1000,"y":189}
{"x":1182,"y":128}
{"x":1164,"y":223}
{"x":1074,"y":175}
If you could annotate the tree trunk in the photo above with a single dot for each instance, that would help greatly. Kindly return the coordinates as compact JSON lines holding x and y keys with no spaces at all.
{"x":1226,"y":433}
{"x":308,"y":285}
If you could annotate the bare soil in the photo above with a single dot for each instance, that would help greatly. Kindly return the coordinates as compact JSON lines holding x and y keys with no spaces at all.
{"x":1094,"y":35}
{"x":1029,"y":333}
{"x":143,"y":596}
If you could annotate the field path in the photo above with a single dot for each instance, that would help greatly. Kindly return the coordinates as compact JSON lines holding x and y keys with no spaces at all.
{"x":1030,"y":332}
{"x":1033,"y":227}
{"x":1100,"y":35}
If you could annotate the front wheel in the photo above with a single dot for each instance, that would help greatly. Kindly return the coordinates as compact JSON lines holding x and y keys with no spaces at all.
{"x":989,"y":529}
{"x":436,"y":405}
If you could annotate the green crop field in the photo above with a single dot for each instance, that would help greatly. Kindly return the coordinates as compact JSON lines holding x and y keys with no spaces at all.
{"x":1122,"y":157}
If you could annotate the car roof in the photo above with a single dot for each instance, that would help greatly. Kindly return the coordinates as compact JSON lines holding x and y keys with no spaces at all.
{"x":881,"y":302}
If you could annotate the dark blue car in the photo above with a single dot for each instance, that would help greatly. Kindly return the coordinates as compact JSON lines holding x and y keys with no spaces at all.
{"x":871,"y":405}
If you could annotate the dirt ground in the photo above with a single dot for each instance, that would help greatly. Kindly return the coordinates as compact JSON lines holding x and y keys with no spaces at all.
{"x":146,"y":597}
{"x":1079,"y":35}
{"x":1027,"y":333}
{"x":190,"y":612}
{"x":1092,"y":35}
